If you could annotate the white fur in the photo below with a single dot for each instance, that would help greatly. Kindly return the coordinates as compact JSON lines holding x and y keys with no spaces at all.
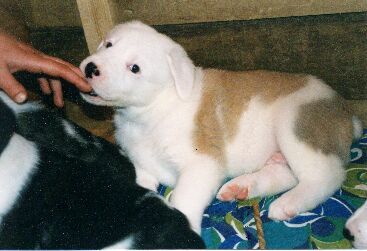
{"x":358,"y":127}
{"x":126,"y":243}
{"x":19,"y":108}
{"x":256,"y":126}
{"x":155,"y":123}
{"x":69,"y":129}
{"x":17,"y":162}
{"x":357,"y":226}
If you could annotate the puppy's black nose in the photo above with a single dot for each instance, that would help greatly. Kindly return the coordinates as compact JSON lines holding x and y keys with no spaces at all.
{"x":90,"y":70}
{"x":347,"y":234}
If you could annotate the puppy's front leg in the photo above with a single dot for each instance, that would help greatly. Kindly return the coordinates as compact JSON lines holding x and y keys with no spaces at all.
{"x":145,"y":179}
{"x":150,"y":171}
{"x":196,"y":186}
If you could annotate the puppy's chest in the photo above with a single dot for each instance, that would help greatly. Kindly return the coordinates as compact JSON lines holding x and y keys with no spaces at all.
{"x":135,"y":137}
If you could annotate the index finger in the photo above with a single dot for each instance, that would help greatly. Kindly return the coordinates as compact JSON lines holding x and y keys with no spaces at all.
{"x":37,"y":64}
{"x":72,"y":67}
{"x":36,"y":52}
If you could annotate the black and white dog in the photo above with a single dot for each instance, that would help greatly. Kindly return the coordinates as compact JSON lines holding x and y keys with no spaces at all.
{"x":63,"y":188}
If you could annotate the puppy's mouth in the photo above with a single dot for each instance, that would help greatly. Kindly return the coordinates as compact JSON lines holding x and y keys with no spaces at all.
{"x":92,"y":93}
{"x":94,"y":97}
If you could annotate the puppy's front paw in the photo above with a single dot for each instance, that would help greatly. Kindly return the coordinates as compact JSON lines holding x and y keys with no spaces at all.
{"x":282,"y":209}
{"x":148,"y":182}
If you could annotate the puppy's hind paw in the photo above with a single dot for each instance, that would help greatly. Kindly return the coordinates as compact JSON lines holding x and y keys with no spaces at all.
{"x":279,"y":210}
{"x":231,"y":191}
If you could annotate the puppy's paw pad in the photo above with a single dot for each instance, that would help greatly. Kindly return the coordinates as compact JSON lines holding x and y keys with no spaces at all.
{"x":231,"y":191}
{"x":279,"y":210}
{"x":225,"y":196}
{"x":242,"y":194}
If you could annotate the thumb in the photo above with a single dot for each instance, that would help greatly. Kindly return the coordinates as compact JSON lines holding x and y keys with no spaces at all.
{"x":11,"y":86}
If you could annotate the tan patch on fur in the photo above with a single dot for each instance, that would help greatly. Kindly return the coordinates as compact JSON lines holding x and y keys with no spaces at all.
{"x":326,"y":125}
{"x":225,"y":96}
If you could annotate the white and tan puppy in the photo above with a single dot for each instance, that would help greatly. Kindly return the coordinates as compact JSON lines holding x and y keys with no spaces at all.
{"x":189,"y":127}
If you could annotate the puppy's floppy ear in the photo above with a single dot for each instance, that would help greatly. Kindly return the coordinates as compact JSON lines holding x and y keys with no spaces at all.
{"x":183,"y":71}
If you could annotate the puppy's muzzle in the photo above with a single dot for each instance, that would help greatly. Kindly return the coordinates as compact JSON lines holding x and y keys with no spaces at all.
{"x":91,"y":70}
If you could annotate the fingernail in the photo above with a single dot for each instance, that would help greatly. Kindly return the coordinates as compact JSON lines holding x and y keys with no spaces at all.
{"x":59,"y":103}
{"x":20,"y":97}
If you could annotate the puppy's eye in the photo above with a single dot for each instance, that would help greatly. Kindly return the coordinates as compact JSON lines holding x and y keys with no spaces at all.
{"x":108,"y":44}
{"x":134,"y":68}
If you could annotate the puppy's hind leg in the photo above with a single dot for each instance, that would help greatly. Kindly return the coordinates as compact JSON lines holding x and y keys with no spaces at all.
{"x":275,"y":177}
{"x":319,"y":177}
{"x":319,"y":173}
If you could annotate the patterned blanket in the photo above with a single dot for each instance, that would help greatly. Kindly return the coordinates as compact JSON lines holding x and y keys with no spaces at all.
{"x":232,"y":225}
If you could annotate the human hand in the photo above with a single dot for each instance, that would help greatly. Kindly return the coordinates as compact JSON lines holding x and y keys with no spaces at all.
{"x":17,"y":56}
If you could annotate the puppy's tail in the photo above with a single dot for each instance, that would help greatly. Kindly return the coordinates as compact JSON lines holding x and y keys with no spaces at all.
{"x":357,"y":128}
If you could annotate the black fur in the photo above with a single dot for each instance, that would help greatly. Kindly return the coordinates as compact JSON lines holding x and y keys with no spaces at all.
{"x":83,"y":194}
{"x":7,"y":125}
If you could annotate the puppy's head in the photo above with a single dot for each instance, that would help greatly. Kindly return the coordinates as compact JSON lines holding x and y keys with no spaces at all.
{"x":134,"y":64}
{"x":356,"y":228}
